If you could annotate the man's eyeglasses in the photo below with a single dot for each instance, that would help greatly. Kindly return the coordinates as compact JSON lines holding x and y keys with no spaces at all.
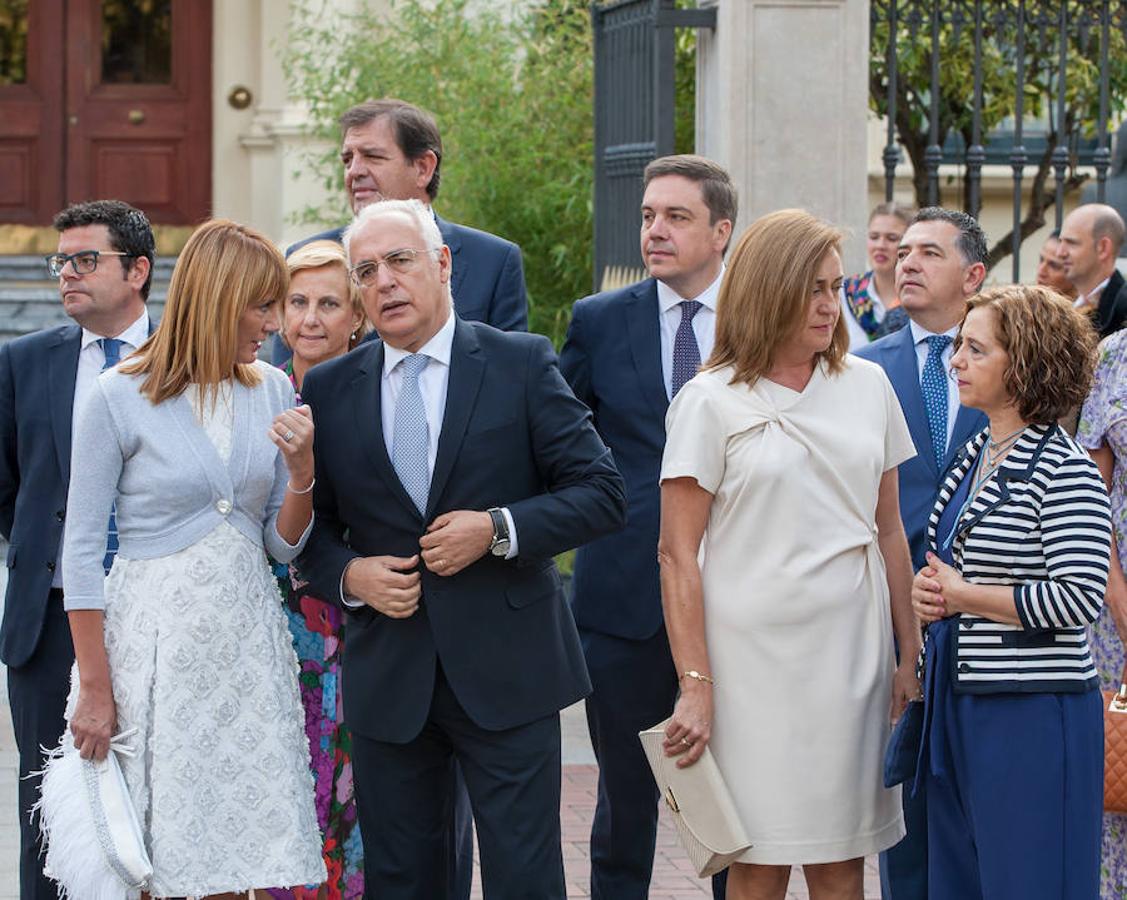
{"x":83,"y":262}
{"x":398,"y":261}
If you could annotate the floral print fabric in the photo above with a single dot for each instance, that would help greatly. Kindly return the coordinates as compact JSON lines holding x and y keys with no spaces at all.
{"x":1104,"y":422}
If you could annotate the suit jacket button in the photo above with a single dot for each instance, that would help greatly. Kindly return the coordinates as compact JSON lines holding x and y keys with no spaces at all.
{"x":50,"y":567}
{"x":61,"y":514}
{"x":964,"y":667}
{"x":965,"y":624}
{"x":224,"y":506}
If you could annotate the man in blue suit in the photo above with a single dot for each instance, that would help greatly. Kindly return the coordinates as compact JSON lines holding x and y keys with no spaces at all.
{"x":104,"y":266}
{"x":392,"y":150}
{"x":627,"y":353}
{"x":454,"y":463}
{"x":941,"y":262}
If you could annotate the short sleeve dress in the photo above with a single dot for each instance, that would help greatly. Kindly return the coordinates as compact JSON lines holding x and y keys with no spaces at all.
{"x":1103,"y":422}
{"x":796,"y":601}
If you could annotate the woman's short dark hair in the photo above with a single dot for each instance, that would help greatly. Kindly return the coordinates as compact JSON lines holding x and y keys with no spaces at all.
{"x":129,"y":228}
{"x":415,"y":130}
{"x":1051,"y":346}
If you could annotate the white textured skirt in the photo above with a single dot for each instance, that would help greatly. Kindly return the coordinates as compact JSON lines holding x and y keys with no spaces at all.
{"x":203,"y":667}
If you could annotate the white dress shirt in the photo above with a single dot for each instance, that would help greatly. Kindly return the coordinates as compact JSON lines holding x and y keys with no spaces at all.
{"x":1092,"y":298}
{"x":91,"y":359}
{"x":704,"y":324}
{"x":919,"y":338}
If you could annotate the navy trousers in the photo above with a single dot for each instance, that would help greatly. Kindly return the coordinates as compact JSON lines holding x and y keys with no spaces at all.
{"x":1015,"y":809}
{"x":405,"y":802}
{"x":37,"y":695}
{"x":634,"y":688}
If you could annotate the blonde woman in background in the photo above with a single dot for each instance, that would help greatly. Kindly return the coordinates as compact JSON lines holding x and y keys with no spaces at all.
{"x":783,"y":451}
{"x":321,"y":319}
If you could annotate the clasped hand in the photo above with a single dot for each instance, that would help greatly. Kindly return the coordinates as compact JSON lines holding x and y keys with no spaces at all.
{"x":292,"y":433}
{"x":936,"y":590}
{"x":392,"y":584}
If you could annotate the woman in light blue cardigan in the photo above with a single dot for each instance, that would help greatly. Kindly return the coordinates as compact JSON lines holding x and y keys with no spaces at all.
{"x":197,"y":455}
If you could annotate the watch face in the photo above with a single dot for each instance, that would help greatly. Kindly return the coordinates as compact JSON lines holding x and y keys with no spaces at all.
{"x":501,"y":547}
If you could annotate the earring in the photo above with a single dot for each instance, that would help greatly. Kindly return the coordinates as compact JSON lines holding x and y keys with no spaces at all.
{"x":356,"y":332}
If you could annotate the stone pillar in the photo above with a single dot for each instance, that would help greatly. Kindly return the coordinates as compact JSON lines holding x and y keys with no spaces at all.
{"x":782,"y":102}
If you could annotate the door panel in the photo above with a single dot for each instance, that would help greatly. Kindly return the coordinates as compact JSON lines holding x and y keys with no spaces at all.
{"x":31,"y":103}
{"x":139,"y":105}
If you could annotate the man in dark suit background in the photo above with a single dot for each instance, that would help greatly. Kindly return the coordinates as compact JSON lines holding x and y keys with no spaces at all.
{"x":104,"y":266}
{"x":627,"y":353}
{"x":941,"y":262}
{"x":1091,"y":238}
{"x":453,"y":464}
{"x":392,"y":150}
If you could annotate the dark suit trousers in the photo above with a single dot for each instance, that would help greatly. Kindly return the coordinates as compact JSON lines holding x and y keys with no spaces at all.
{"x":37,"y":695}
{"x":404,"y":801}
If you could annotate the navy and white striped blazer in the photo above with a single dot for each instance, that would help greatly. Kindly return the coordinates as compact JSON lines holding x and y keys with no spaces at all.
{"x":1042,"y":524}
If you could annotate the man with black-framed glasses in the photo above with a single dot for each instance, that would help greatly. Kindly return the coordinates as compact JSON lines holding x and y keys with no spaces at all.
{"x":104,"y":265}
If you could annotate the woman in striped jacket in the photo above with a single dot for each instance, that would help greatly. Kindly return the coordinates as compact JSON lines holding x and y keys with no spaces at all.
{"x":1012,"y":755}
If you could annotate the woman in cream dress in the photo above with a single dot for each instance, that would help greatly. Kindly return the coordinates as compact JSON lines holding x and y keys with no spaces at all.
{"x":200,"y":453}
{"x":781,"y":463}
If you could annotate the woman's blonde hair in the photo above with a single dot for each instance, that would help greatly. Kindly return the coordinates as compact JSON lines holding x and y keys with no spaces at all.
{"x":224,"y":269}
{"x":766,"y":293}
{"x":316,"y":255}
{"x":1051,"y":346}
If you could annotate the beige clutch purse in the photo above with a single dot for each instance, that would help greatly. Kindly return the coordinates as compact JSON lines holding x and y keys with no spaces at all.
{"x":706,"y":817}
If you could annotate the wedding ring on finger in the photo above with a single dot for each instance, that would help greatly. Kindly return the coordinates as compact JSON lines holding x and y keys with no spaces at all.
{"x":686,"y":742}
{"x":288,"y":436}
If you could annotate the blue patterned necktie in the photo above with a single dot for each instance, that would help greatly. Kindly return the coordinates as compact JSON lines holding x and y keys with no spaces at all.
{"x":111,"y":347}
{"x":933,"y":385}
{"x":410,"y":433}
{"x":686,"y":352}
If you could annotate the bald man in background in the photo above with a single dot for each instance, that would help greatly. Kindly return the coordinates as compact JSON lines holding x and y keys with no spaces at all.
{"x":1090,"y":241}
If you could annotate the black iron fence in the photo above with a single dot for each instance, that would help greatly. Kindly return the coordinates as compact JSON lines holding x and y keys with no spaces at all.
{"x":634,"y":115}
{"x":1042,"y":78}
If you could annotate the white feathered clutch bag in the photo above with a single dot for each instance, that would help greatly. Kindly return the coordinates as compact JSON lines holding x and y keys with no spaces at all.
{"x":95,"y":846}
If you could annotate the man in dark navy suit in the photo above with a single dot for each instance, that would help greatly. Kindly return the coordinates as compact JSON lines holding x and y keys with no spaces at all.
{"x":941,"y":262}
{"x":104,"y":266}
{"x":392,"y":150}
{"x":627,"y":353}
{"x":454,"y":463}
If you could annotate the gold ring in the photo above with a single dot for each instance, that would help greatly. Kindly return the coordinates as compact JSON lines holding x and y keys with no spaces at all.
{"x":440,"y":563}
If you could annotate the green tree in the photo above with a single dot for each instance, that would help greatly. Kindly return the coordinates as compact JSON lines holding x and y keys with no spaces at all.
{"x":999,"y":93}
{"x":511,"y":91}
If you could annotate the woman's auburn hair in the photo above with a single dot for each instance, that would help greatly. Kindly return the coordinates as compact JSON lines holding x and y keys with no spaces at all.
{"x":224,"y":269}
{"x":766,"y":292}
{"x":319,"y":255}
{"x":1051,"y":348}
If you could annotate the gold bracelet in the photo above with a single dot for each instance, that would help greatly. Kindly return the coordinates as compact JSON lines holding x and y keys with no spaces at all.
{"x":699,"y":676}
{"x":293,"y":490}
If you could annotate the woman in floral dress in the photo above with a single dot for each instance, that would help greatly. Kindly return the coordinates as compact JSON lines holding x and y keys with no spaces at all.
{"x":322,"y":319}
{"x":1103,"y":430}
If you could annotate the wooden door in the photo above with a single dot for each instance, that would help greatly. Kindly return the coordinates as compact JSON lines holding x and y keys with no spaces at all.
{"x":105,"y":99}
{"x":31,"y":103}
{"x":138,"y":105}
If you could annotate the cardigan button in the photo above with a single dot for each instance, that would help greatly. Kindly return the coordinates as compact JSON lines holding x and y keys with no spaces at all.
{"x":224,"y":506}
{"x":964,"y":667}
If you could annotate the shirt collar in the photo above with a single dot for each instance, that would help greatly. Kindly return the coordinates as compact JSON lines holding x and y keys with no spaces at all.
{"x":1093,"y":296}
{"x":919,"y":333}
{"x":667,"y":298}
{"x":437,"y":348}
{"x":135,"y":335}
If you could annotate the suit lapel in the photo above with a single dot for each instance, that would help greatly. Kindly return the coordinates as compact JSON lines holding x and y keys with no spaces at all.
{"x":453,"y":240}
{"x":905,"y":375}
{"x":62,"y":369}
{"x":467,"y":368}
{"x":368,"y":399}
{"x":645,"y":344}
